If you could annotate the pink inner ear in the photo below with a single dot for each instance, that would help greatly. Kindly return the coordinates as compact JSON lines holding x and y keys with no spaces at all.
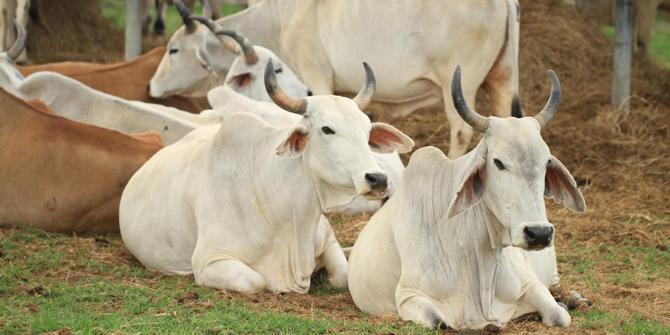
{"x":560,"y":188}
{"x":381,"y":138}
{"x":241,"y":80}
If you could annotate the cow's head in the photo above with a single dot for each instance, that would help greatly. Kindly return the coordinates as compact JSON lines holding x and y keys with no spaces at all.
{"x":246,"y":73}
{"x":512,"y":169}
{"x":10,"y":77}
{"x":185,"y":68}
{"x":335,"y":140}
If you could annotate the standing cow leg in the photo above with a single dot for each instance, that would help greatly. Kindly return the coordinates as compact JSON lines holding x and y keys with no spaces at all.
{"x":229,"y":275}
{"x":460,"y":132}
{"x":211,"y":9}
{"x":330,"y":254}
{"x":645,"y":19}
{"x":539,"y":297}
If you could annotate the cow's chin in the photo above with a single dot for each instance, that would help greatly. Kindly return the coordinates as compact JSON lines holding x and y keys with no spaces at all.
{"x":375,"y":195}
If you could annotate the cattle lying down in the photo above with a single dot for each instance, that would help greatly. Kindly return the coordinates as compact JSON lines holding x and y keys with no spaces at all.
{"x":246,"y":72}
{"x":74,"y":100}
{"x":126,"y":80}
{"x":227,"y":102}
{"x":242,"y":209}
{"x":61,"y":175}
{"x":466,"y":243}
{"x":415,"y":50}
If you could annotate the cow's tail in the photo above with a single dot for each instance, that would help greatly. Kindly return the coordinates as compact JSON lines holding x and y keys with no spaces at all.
{"x":512,"y":42}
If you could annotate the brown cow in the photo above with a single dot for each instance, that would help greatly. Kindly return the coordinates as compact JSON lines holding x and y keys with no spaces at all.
{"x":61,"y":175}
{"x":127,"y":80}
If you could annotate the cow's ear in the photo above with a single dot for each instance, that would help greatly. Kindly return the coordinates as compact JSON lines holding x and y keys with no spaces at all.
{"x":385,"y":138}
{"x":294,"y":145}
{"x":560,"y":186}
{"x":472,"y":187}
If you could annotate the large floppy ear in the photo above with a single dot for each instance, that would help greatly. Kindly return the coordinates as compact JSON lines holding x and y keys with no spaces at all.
{"x":385,"y":138}
{"x":473,"y":186}
{"x":294,"y":145}
{"x":560,"y":186}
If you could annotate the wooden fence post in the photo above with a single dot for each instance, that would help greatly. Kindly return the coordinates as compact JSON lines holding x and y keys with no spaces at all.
{"x":134,"y":11}
{"x":623,"y":47}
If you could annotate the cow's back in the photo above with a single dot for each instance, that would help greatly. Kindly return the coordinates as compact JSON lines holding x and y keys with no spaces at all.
{"x":127,"y":80}
{"x":60,"y":175}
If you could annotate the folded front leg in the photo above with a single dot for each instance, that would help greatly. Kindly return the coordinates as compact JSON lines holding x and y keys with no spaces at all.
{"x":230,"y":275}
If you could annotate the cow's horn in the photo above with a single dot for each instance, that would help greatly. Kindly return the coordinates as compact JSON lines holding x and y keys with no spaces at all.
{"x":216,"y":30}
{"x":550,"y":109}
{"x":250,"y":56}
{"x":364,"y":96}
{"x":283,"y":100}
{"x":185,"y":16}
{"x":19,"y":44}
{"x":468,"y":115}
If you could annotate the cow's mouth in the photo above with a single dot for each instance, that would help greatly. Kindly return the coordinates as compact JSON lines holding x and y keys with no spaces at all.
{"x":375,"y":195}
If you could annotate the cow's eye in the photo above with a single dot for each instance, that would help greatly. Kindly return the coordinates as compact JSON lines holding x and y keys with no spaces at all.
{"x":278,"y":70}
{"x":173,"y":51}
{"x":498,"y":164}
{"x":327,"y":130}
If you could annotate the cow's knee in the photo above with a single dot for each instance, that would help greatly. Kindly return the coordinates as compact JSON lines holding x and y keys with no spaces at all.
{"x":461,"y":134}
{"x":230,"y":275}
{"x":420,"y":310}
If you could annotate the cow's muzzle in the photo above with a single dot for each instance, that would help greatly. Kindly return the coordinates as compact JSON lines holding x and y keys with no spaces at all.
{"x":538,"y":237}
{"x":378,"y":183}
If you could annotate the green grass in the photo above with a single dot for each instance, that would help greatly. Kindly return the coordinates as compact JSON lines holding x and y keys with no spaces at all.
{"x":660,"y":42}
{"x":115,"y":10}
{"x":51,"y":282}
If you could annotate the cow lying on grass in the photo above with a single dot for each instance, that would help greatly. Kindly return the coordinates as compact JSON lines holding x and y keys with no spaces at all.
{"x":239,"y":205}
{"x":466,"y":243}
{"x":61,"y":175}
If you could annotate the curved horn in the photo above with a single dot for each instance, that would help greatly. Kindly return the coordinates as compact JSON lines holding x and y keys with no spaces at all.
{"x":19,"y":44}
{"x":549,"y":111}
{"x":283,"y":100}
{"x":468,"y":115}
{"x":250,"y":56}
{"x":364,"y":96}
{"x":185,"y":16}
{"x":216,"y":30}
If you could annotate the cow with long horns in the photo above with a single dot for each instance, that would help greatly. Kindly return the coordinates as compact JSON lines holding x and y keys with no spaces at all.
{"x":239,"y":205}
{"x":466,"y":243}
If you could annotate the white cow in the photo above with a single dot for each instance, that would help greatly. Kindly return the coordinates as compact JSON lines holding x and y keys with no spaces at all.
{"x":466,"y":243}
{"x":76,"y":101}
{"x":239,"y":205}
{"x":414,"y":48}
{"x":245,"y":74}
{"x":226,"y":102}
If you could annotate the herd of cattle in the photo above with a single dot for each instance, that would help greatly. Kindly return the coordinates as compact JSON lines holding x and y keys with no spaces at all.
{"x":214,"y":158}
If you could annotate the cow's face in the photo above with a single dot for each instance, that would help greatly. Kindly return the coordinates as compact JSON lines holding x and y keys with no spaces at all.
{"x":186,"y":69}
{"x":336,"y":140}
{"x":512,"y":171}
{"x":247,"y":79}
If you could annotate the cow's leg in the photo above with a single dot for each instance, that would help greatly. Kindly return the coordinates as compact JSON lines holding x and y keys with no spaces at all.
{"x":213,"y":10}
{"x":159,"y":24}
{"x":230,"y":275}
{"x":500,"y":86}
{"x":539,"y":297}
{"x":330,"y":255}
{"x":22,"y":15}
{"x":421,"y":310}
{"x":460,"y":132}
{"x":645,"y":19}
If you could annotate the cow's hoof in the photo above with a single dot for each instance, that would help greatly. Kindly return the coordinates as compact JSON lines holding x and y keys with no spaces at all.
{"x":557,"y":317}
{"x":575,"y":300}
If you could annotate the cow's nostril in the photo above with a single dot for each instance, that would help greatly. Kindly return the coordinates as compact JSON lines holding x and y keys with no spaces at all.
{"x":377,"y":181}
{"x":148,"y":88}
{"x":309,"y":93}
{"x":538,"y":237}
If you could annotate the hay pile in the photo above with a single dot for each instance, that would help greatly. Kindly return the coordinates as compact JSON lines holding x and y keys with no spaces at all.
{"x":72,"y":30}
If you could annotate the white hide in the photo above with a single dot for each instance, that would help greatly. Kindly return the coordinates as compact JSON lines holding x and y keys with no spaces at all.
{"x":243,"y":206}
{"x":414,"y":261}
{"x":225,"y":102}
{"x":414,"y":50}
{"x":76,"y":101}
